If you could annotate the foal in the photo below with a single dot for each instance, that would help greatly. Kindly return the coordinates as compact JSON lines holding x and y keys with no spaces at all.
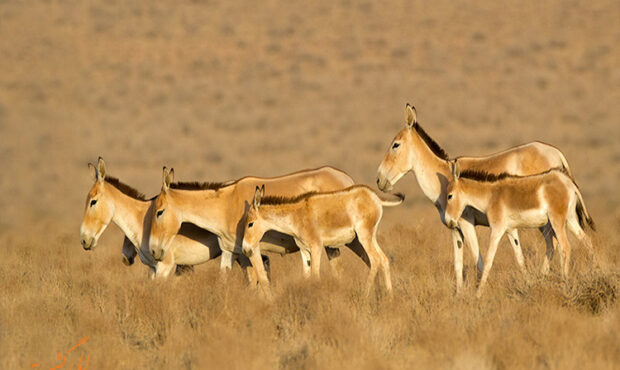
{"x":316,"y":220}
{"x":548,"y":200}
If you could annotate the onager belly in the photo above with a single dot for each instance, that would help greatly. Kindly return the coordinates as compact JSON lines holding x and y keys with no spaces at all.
{"x":528,"y":218}
{"x":193,"y":255}
{"x":276,"y":242}
{"x":337,"y":236}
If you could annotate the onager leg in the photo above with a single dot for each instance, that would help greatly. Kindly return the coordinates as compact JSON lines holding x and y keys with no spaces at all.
{"x":166,"y":266}
{"x":547,"y":232}
{"x":356,"y":247}
{"x":575,"y":228}
{"x":513,"y":236}
{"x":471,"y":239}
{"x":306,"y":260}
{"x":560,"y":231}
{"x":315,"y":262}
{"x":333,"y":256}
{"x":227,"y":260}
{"x":257,"y":263}
{"x":496,"y":236}
{"x":250,"y":271}
{"x":373,"y":257}
{"x":457,"y":243}
{"x":385,"y":265}
{"x":129,"y":252}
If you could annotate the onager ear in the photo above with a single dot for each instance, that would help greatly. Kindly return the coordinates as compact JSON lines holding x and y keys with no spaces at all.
{"x":167,"y":178}
{"x":412,"y":117}
{"x":100,"y":169}
{"x":262,"y":191}
{"x":257,"y":197}
{"x":456,"y":169}
{"x":93,"y":171}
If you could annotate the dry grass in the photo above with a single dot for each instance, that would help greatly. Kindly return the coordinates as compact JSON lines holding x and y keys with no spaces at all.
{"x":58,"y":295}
{"x":221,"y":89}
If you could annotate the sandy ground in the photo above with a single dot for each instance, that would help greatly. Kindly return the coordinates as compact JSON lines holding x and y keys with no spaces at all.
{"x":218,"y":91}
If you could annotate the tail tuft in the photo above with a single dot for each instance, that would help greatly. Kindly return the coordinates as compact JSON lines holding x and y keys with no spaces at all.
{"x":394,"y":200}
{"x":583,"y":215}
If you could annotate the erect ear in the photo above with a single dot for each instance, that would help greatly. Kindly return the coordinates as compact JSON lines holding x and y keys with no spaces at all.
{"x":100,"y":169}
{"x":167,"y":178}
{"x":456,"y":169}
{"x":412,"y":118}
{"x":257,"y":197}
{"x":262,"y":191}
{"x":93,"y":171}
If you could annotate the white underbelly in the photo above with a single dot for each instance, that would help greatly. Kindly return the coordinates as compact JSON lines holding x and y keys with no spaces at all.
{"x":338,"y":236}
{"x":190,"y":252}
{"x":275,"y":248}
{"x":528,"y":218}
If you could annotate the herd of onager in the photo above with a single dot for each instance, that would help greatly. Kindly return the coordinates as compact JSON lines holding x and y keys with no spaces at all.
{"x":188,"y":223}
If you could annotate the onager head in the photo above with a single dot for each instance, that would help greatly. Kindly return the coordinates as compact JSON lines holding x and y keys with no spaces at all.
{"x":398,"y":159}
{"x":167,"y":219}
{"x":99,"y":208}
{"x":455,"y":202}
{"x":255,"y":226}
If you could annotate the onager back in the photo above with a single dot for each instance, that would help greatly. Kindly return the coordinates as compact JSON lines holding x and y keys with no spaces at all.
{"x":316,"y":220}
{"x":221,"y":208}
{"x":549,"y":200}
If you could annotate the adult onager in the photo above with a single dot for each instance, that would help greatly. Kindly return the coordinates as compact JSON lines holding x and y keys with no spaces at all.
{"x":221,"y":208}
{"x":412,"y":150}
{"x":111,"y":200}
{"x":316,"y":220}
{"x":548,"y":200}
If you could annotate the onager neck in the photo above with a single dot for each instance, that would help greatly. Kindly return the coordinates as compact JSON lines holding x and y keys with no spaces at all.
{"x":280,"y":217}
{"x":204,"y":208}
{"x":476,"y":194}
{"x":128,"y":214}
{"x":430,"y":171}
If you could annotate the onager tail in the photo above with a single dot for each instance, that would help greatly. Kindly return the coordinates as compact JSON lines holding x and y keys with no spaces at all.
{"x":565,"y":167}
{"x":395,"y":200}
{"x":582,"y":212}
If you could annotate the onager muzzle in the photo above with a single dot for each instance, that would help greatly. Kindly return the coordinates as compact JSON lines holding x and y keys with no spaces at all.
{"x":87,"y":242}
{"x":247,"y":250}
{"x":158,"y":254}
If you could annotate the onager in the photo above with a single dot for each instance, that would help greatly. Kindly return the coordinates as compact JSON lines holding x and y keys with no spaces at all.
{"x":319,"y":219}
{"x":111,"y":200}
{"x":221,"y":208}
{"x":548,"y":200}
{"x":412,"y":150}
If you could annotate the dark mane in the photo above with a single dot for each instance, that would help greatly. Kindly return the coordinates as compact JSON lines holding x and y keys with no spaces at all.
{"x":275,"y":199}
{"x":124,"y":188}
{"x":484,"y":176}
{"x":432,"y":144}
{"x":195,"y":185}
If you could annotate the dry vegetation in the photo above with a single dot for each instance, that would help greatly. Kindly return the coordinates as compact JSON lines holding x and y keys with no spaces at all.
{"x":220,"y":90}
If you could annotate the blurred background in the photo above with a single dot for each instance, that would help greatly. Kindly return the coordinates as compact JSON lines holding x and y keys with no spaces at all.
{"x":220,"y":90}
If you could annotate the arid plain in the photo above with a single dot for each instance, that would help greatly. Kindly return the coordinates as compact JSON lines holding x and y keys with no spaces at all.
{"x":219,"y":90}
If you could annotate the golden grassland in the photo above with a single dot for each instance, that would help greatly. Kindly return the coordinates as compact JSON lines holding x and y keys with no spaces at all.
{"x":219,"y":90}
{"x":58,"y":295}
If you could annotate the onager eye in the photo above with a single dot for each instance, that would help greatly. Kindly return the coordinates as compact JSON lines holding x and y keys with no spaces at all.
{"x":396,"y":145}
{"x":449,"y":196}
{"x":250,"y":224}
{"x":93,"y":202}
{"x":160,"y":212}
